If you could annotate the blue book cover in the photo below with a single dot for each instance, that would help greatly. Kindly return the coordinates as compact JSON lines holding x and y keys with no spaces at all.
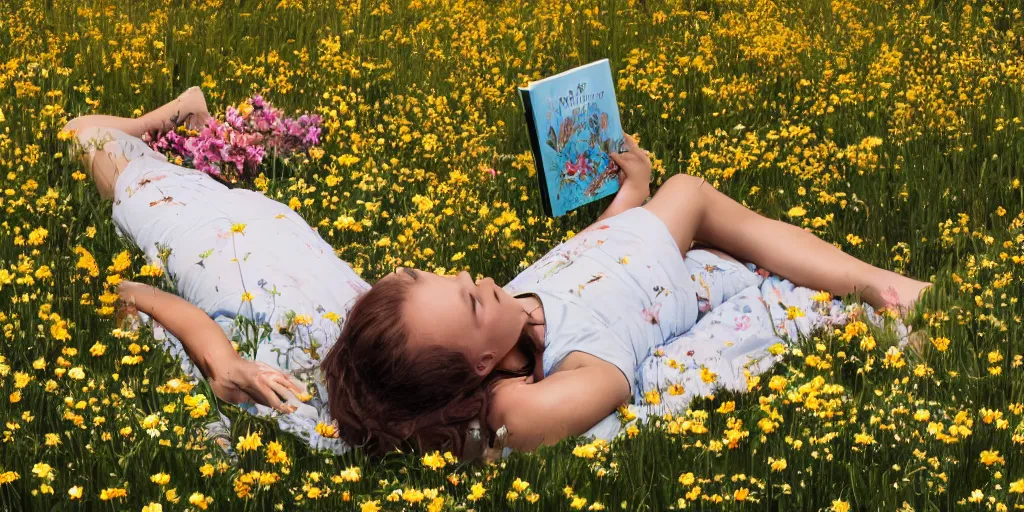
{"x":573,"y":122}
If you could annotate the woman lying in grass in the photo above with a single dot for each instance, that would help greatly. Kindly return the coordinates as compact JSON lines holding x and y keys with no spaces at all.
{"x":619,"y":308}
{"x":231,"y":254}
{"x":622,"y":310}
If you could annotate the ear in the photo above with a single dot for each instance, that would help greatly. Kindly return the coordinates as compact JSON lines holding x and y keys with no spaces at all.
{"x":485,"y":363}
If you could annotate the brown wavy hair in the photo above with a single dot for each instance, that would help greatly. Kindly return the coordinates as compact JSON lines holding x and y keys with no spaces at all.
{"x":384,"y":396}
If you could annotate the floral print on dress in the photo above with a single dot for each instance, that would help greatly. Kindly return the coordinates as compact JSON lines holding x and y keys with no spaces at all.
{"x":275,"y":287}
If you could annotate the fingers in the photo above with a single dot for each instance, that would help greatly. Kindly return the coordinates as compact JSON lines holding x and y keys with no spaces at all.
{"x":631,"y":144}
{"x":285,"y":394}
{"x":265,"y":394}
{"x":286,"y":378}
{"x":289,"y":383}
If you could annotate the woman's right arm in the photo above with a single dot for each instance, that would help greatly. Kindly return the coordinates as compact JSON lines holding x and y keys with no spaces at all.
{"x":233,"y":378}
{"x":563,"y":404}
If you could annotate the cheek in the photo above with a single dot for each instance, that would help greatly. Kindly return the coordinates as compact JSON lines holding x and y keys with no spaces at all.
{"x":502,"y":325}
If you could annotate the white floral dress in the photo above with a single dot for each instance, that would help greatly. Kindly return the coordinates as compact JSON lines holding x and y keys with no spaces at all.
{"x":246,"y":260}
{"x":676,"y":327}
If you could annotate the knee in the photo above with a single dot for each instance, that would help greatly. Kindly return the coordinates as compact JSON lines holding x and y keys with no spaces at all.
{"x":89,"y":136}
{"x":685,"y":187}
{"x":685,"y":183}
{"x":75,"y":124}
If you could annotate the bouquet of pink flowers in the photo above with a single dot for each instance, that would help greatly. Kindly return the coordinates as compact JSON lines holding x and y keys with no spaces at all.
{"x":232,"y":150}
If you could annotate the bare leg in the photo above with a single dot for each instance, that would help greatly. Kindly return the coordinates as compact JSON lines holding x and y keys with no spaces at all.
{"x":189,"y":107}
{"x":102,"y":154}
{"x":694,"y":210}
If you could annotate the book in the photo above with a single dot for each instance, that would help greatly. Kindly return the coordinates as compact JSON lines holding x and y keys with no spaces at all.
{"x":573,"y":123}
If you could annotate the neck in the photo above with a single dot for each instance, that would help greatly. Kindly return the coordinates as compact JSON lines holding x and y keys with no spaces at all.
{"x":533,"y":328}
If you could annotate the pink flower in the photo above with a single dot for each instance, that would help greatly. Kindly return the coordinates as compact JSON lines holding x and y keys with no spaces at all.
{"x":743,"y":323}
{"x":237,"y":146}
{"x":579,"y":166}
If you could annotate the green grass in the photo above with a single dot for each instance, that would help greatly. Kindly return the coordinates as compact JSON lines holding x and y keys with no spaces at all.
{"x":778,"y":104}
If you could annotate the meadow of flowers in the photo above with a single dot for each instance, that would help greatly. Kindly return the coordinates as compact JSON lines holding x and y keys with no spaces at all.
{"x":891,"y":128}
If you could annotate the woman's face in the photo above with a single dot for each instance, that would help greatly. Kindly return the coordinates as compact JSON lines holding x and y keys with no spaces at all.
{"x":480,"y":319}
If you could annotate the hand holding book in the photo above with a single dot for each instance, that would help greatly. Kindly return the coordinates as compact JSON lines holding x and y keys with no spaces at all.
{"x":634,"y":167}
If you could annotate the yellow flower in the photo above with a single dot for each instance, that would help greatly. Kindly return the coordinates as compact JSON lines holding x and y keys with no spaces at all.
{"x":160,"y":478}
{"x":578,"y":502}
{"x":854,"y":239}
{"x":476,"y":492}
{"x":840,"y":506}
{"x":206,"y":470}
{"x":413,"y":496}
{"x":43,"y":471}
{"x":75,"y":492}
{"x":940,"y":343}
{"x":585,"y":451}
{"x":350,"y":474}
{"x":990,"y":457}
{"x":727,"y":407}
{"x":120,"y":262}
{"x":247,"y":297}
{"x":238,"y":228}
{"x":777,"y":464}
{"x":326,"y":430}
{"x":112,"y":493}
{"x":626,"y":414}
{"x":153,"y":507}
{"x":707,"y":375}
{"x":200,"y":500}
{"x":687,"y":479}
{"x":867,"y":343}
{"x":436,"y":505}
{"x":1017,"y":487}
{"x":793,"y":312}
{"x":520,"y":485}
{"x":249,"y":443}
{"x":676,"y":389}
{"x":370,"y":506}
{"x":97,"y":349}
{"x":741,"y":494}
{"x":796,"y":211}
{"x":277,"y":455}
{"x":653,"y":397}
{"x":863,"y":439}
{"x":151,"y":271}
{"x":434,"y":461}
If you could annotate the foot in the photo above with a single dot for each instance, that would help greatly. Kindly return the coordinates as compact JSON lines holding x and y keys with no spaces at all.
{"x":904,"y":296}
{"x":192,"y":109}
